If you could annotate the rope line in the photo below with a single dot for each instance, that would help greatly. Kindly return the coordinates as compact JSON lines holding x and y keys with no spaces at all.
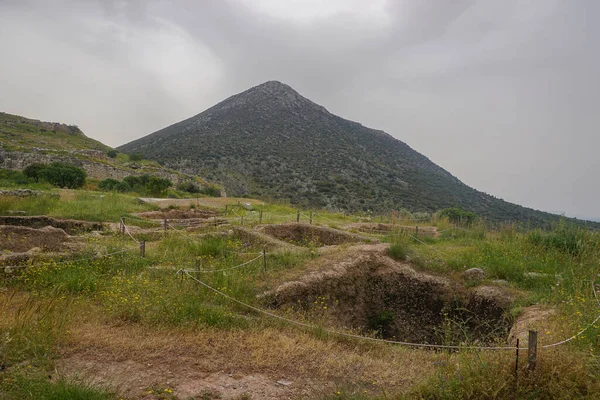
{"x":410,"y":344}
{"x":580,"y":332}
{"x":130,"y":235}
{"x":422,"y":242}
{"x":223,"y":269}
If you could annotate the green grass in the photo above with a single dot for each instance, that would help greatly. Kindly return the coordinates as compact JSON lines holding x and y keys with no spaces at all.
{"x":25,"y":383}
{"x":89,"y":206}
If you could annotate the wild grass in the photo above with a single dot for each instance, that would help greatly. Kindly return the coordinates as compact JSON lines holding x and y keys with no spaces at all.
{"x":89,"y":206}
{"x":554,"y":268}
{"x":28,"y":383}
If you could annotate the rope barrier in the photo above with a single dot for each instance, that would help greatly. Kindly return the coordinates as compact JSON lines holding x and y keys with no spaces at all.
{"x":583,"y":330}
{"x":265,"y":312}
{"x":224,"y":269}
{"x":130,"y":235}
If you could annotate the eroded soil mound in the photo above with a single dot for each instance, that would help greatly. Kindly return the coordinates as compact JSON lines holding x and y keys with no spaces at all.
{"x":70,"y":226}
{"x":306,"y":235}
{"x":373,"y":292}
{"x":23,"y":238}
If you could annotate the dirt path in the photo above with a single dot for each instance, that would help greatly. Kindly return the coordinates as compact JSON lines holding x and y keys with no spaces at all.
{"x":261,"y":364}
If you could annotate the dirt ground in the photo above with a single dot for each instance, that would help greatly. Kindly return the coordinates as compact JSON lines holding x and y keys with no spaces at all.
{"x":268,"y":364}
{"x":22,"y":238}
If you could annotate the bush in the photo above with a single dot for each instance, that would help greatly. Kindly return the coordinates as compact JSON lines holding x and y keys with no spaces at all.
{"x":458,"y":216}
{"x":64,"y":175}
{"x":145,"y":184}
{"x":211,"y":191}
{"x":33,"y":171}
{"x":399,"y":250}
{"x":108,"y":184}
{"x":57,"y":174}
{"x":189,"y":187}
{"x":136,"y":157}
{"x":112,"y":153}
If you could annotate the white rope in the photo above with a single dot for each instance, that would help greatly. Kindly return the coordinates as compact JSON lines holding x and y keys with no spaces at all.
{"x":580,"y":332}
{"x":130,"y":235}
{"x":151,"y":221}
{"x":223,"y":269}
{"x":422,"y":242}
{"x":440,"y":346}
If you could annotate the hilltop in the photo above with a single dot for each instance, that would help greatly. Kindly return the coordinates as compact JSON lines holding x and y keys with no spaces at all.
{"x":271,"y":142}
{"x":25,"y":141}
{"x":20,"y":133}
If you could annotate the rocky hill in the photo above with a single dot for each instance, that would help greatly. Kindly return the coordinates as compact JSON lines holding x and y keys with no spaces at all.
{"x":271,"y":142}
{"x":25,"y":141}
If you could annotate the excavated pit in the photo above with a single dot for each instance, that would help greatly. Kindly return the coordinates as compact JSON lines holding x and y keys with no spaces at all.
{"x":379,"y":228}
{"x":307,"y":235}
{"x":70,"y":226}
{"x":189,"y":219}
{"x":374,"y":293}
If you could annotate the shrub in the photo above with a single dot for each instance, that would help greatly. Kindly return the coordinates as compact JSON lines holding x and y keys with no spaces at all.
{"x":136,"y":157}
{"x":57,"y":174}
{"x":458,"y":216}
{"x":112,"y":153}
{"x":189,"y":187}
{"x":108,"y":184}
{"x":211,"y":191}
{"x":145,"y":184}
{"x":399,"y":250}
{"x":33,"y":171}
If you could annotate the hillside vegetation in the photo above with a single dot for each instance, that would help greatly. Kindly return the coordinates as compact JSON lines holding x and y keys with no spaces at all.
{"x":19,"y":133}
{"x":272,"y":143}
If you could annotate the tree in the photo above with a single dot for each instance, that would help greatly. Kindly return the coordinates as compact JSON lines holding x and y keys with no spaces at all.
{"x":33,"y":171}
{"x":63,"y":175}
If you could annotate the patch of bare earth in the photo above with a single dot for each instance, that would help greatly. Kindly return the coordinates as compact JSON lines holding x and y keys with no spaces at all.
{"x":306,"y":234}
{"x":267,"y":364}
{"x":379,"y":228}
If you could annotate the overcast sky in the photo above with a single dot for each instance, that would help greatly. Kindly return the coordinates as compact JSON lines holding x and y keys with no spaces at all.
{"x":503,"y":94}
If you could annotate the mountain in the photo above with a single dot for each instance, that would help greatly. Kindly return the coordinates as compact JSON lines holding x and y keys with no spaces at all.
{"x":271,"y":142}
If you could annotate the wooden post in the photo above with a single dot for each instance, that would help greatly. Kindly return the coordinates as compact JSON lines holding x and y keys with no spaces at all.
{"x":226,"y":210}
{"x":310,"y":219}
{"x":242,"y":220}
{"x":122,"y":227}
{"x":417,"y":231}
{"x":260,"y":217}
{"x":264,"y":259}
{"x":298,"y":216}
{"x":143,"y":248}
{"x":532,"y":350}
{"x":517,"y":360}
{"x":165,"y":227}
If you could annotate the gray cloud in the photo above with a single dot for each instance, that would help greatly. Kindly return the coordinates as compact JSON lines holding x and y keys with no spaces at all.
{"x":502,"y":94}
